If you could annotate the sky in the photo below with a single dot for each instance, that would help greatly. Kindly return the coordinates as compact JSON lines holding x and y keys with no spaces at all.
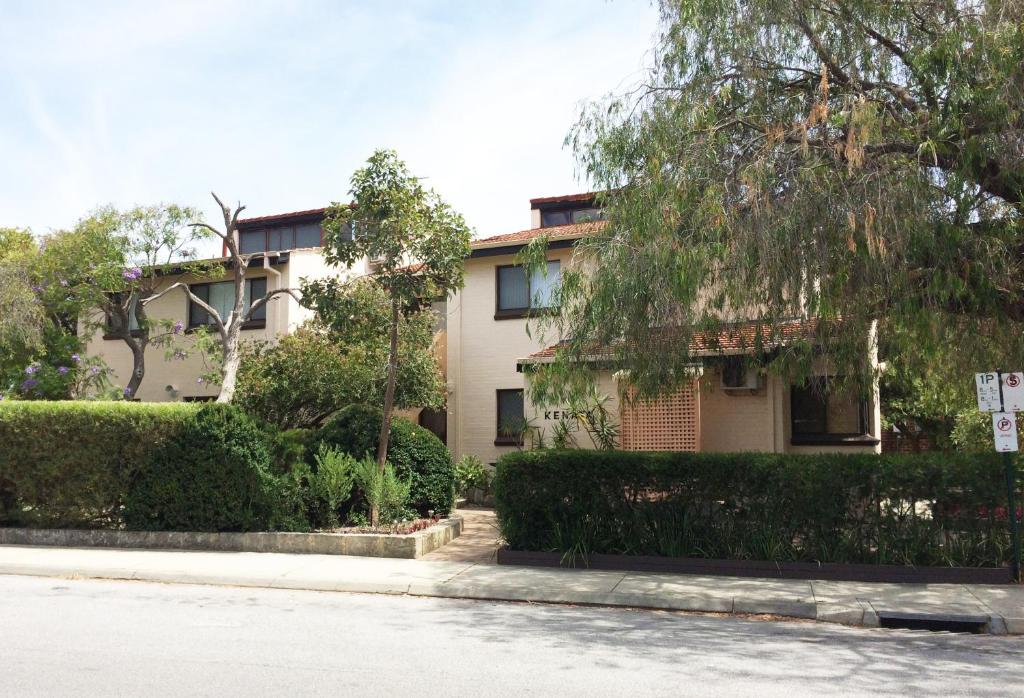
{"x":275,"y":104}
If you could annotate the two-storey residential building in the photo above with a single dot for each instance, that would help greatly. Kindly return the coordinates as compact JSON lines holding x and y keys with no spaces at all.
{"x":725,"y":408}
{"x":486,"y":352}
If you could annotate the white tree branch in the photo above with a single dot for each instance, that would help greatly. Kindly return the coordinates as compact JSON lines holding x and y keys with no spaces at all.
{"x":257,"y":304}
{"x":218,"y":321}
{"x":209,"y":227}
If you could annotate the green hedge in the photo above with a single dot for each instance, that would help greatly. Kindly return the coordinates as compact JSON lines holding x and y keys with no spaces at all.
{"x":68,"y":463}
{"x":933,"y":509}
{"x":415,"y":452}
{"x":215,"y":475}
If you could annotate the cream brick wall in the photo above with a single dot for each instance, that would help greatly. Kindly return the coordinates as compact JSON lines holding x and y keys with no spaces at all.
{"x":546,"y":419}
{"x":734,"y":420}
{"x":482,"y":355}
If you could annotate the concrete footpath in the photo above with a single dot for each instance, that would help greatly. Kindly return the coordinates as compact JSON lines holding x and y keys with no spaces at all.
{"x":1001,"y":608}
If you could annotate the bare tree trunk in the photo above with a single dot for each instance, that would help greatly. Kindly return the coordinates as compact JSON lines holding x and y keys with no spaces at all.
{"x":138,"y":348}
{"x":232,"y":360}
{"x":389,"y":399}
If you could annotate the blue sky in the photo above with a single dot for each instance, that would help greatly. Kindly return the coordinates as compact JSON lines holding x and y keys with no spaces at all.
{"x":276,"y":104}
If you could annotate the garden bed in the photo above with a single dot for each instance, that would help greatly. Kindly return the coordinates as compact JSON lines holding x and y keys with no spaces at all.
{"x":832,"y":571}
{"x":392,"y":545}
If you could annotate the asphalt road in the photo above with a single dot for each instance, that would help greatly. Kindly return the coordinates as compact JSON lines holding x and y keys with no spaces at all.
{"x":82,"y":637}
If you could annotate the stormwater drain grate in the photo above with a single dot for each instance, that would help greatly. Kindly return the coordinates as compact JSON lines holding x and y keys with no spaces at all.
{"x":938,"y":623}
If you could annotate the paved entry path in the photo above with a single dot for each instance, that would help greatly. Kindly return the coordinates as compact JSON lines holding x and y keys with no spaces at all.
{"x":478,"y":541}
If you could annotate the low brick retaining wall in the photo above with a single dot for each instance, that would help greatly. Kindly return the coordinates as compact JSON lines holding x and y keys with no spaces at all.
{"x":412,"y":545}
{"x":830,"y":571}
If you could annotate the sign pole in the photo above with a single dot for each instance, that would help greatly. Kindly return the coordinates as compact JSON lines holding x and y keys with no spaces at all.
{"x":1011,"y":486}
{"x":1012,"y":513}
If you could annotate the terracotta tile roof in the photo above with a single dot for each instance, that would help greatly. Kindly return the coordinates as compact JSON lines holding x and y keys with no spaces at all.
{"x":554,"y":232}
{"x":413,"y":268}
{"x":566,"y":198}
{"x":734,"y":338}
{"x":282,"y":216}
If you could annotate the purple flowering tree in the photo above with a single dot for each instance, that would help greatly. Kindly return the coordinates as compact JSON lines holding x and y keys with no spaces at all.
{"x":226,"y":331}
{"x":110,"y":263}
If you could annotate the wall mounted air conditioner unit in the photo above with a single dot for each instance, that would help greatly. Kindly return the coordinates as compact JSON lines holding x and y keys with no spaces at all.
{"x":736,"y":375}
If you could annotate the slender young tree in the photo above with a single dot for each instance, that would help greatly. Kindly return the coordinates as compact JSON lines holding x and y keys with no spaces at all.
{"x":228,"y":330}
{"x":417,"y":244}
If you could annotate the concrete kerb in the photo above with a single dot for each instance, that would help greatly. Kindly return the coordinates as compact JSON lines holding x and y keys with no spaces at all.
{"x":408,"y":546}
{"x":483,"y":582}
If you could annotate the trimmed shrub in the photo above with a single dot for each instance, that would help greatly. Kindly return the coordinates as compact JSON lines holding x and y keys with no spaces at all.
{"x":68,"y":464}
{"x":289,"y":449}
{"x":417,"y":454}
{"x":214,"y":476}
{"x":928,"y":509}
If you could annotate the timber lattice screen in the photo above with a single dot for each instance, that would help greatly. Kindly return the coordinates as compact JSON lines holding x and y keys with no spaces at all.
{"x":670,"y":423}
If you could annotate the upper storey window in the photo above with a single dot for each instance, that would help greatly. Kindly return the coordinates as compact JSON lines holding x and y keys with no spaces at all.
{"x":279,"y":237}
{"x":566,"y":216}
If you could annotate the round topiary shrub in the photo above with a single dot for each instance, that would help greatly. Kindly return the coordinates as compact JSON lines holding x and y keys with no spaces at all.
{"x":214,"y":476}
{"x":416,"y":453}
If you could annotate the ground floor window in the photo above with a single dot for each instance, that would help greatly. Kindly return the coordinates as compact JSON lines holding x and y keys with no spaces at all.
{"x":818,"y":412}
{"x":511,"y":424}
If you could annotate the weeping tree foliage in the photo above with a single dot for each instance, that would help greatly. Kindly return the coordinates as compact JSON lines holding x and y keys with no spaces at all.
{"x":855,"y":163}
{"x":22,"y":321}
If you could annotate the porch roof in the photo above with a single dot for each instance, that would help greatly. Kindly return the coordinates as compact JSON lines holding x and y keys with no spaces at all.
{"x":732,"y":339}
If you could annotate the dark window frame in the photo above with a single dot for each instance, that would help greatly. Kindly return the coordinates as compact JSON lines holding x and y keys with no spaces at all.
{"x":815,"y":391}
{"x":516,"y":313}
{"x":571,"y":209}
{"x":266,"y":230}
{"x":253,"y":324}
{"x":504,"y":439}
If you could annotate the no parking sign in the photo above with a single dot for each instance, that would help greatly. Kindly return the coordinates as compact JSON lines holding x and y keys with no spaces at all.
{"x":1004,"y":427}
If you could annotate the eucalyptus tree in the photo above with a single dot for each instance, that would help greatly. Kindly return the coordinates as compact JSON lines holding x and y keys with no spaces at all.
{"x":856,"y":163}
{"x":417,"y":243}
